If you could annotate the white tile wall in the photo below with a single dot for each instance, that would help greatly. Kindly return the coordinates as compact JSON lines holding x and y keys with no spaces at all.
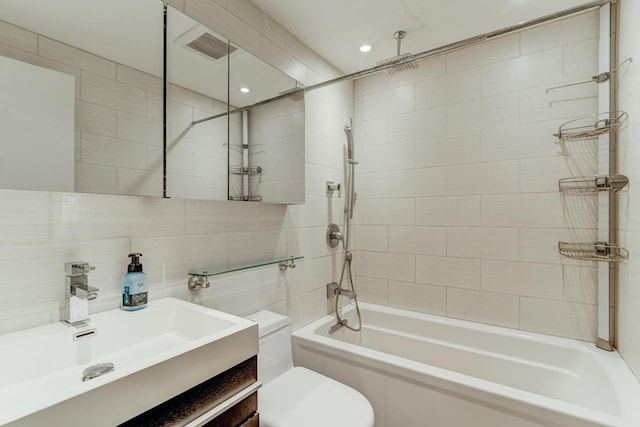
{"x":483,"y":237}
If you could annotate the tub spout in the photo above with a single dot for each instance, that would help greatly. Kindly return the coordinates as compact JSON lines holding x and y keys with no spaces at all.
{"x":347,"y":293}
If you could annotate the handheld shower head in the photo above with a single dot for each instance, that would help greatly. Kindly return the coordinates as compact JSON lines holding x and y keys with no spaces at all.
{"x":348,"y":130}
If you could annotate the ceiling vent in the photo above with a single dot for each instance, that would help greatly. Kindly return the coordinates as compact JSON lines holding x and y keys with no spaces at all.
{"x":210,"y":46}
{"x":201,"y":41}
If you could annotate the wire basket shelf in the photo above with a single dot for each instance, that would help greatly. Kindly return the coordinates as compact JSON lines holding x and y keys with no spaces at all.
{"x":591,"y":126}
{"x":599,"y":251}
{"x":592,"y":184}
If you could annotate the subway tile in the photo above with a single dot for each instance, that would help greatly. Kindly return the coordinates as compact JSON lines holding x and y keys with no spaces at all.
{"x":483,"y":307}
{"x":523,"y":72}
{"x":385,"y":157}
{"x":370,"y":84}
{"x":561,"y":318}
{"x":561,"y":32}
{"x":304,"y":309}
{"x":484,"y":113}
{"x":372,"y":185}
{"x":417,"y":182}
{"x":168,"y":259}
{"x":139,"y":79}
{"x":138,"y":182}
{"x":417,"y":240}
{"x":448,"y":271}
{"x":417,"y":124}
{"x":111,"y":93}
{"x":95,"y":119}
{"x":107,"y":151}
{"x":18,"y":37}
{"x":216,"y":217}
{"x":389,"y":211}
{"x":139,"y":128}
{"x":521,"y":278}
{"x":522,"y":210}
{"x":543,"y":173}
{"x":255,"y":18}
{"x":520,"y":141}
{"x":247,"y":248}
{"x":78,"y":58}
{"x":389,"y":266}
{"x":537,"y":105}
{"x":309,"y":242}
{"x":372,"y":290}
{"x":393,"y":101}
{"x":371,"y":132}
{"x":483,"y":178}
{"x":447,"y":90}
{"x":581,"y":60}
{"x":418,"y":297}
{"x":483,"y":53}
{"x":485,"y":243}
{"x":192,"y":187}
{"x":372,"y":238}
{"x":581,"y":284}
{"x":449,"y":211}
{"x":95,"y":179}
{"x":447,"y":150}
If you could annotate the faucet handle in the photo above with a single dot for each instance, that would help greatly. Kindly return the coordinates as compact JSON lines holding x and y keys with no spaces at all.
{"x":77,"y":267}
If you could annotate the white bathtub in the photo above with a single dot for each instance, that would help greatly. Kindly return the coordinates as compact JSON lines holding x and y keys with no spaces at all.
{"x":422,"y":370}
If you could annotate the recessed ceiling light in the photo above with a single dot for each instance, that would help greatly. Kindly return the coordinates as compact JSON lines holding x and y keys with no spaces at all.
{"x":365,"y":48}
{"x":245,"y":90}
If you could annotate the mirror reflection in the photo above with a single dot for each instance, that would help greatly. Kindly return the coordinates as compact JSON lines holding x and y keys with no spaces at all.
{"x":115,"y":63}
{"x":260,"y":129}
{"x":99,"y":66}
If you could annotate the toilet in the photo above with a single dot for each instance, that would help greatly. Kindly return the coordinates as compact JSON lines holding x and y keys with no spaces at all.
{"x":295,"y":396}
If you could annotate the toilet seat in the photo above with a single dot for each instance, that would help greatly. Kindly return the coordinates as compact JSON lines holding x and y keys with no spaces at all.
{"x":303,"y":397}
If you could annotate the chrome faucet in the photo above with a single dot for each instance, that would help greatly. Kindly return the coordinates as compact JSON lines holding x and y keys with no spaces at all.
{"x":78,"y":293}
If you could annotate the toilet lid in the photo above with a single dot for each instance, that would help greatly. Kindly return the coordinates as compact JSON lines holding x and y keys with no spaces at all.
{"x":301,"y":397}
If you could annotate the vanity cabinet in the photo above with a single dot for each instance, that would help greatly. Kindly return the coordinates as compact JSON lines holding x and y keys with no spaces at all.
{"x":229,"y":399}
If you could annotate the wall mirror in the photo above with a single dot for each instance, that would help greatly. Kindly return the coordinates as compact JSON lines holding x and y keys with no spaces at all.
{"x":114,"y":145}
{"x":245,"y":140}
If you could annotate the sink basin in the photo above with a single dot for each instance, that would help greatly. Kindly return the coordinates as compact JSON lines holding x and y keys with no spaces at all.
{"x":158,"y":352}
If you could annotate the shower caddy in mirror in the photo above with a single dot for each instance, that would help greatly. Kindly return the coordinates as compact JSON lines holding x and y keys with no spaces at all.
{"x":583,"y":128}
{"x":200,"y":278}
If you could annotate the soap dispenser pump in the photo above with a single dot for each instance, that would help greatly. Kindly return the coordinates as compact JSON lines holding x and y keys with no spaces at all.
{"x":135,"y":285}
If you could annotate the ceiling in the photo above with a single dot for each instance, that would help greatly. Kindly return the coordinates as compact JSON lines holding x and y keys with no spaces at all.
{"x":336,"y":28}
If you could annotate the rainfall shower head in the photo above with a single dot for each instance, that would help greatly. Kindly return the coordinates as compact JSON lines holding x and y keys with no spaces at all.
{"x":405,"y":66}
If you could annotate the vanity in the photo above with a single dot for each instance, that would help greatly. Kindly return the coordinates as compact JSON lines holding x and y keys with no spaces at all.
{"x":174,"y":363}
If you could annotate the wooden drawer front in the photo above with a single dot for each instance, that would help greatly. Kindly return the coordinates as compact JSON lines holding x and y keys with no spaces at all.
{"x":191,"y":404}
{"x":238,"y":415}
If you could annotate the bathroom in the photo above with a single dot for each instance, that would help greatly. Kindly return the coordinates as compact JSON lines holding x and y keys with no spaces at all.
{"x":488,"y":208}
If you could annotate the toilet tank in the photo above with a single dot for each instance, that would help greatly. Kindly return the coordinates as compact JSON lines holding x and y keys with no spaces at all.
{"x":274,"y":357}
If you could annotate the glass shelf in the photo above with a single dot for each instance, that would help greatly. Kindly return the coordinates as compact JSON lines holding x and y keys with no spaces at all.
{"x":287,"y":262}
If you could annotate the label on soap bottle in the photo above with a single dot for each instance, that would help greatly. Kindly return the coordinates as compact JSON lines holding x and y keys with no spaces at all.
{"x":134,"y":300}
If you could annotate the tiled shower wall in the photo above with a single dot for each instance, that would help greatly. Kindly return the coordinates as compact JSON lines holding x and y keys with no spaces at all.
{"x":629,"y":215}
{"x":458,"y":209}
{"x":40,"y":231}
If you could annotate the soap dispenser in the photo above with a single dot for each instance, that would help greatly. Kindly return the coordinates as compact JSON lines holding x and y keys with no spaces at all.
{"x":135,"y":285}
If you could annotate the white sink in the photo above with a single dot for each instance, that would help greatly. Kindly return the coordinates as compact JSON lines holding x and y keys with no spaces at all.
{"x":158,"y":352}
